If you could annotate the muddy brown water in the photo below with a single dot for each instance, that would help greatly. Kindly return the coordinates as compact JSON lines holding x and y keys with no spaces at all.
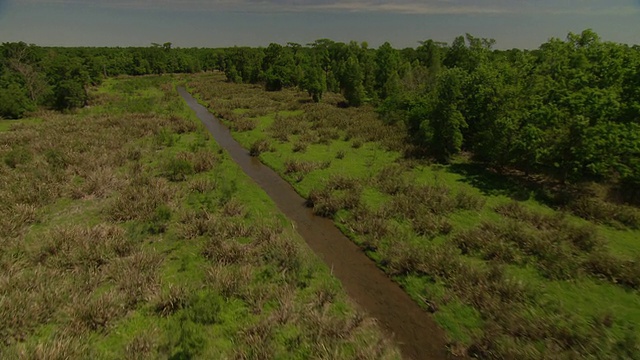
{"x":413,"y":329}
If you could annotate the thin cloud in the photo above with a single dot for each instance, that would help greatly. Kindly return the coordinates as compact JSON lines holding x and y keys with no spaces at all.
{"x":582,"y":7}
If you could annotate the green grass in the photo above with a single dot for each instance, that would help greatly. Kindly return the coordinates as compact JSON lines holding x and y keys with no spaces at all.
{"x":112,"y":253}
{"x":6,"y":125}
{"x":561,"y":317}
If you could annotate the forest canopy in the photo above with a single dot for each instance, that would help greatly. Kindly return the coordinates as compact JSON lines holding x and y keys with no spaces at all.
{"x":570,"y":108}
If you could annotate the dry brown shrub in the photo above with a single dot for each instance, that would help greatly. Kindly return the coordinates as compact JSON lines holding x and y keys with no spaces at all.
{"x":15,"y":219}
{"x":202,"y":185}
{"x":404,"y":258}
{"x":180,"y":125}
{"x":300,"y":166}
{"x":593,"y":209}
{"x":285,"y":126}
{"x":329,"y":329}
{"x":195,"y":223}
{"x":283,"y":253}
{"x":515,"y":210}
{"x":103,"y":98}
{"x":416,"y":200}
{"x":308,"y":137}
{"x":171,"y":300}
{"x":363,"y":221}
{"x":61,"y":347}
{"x":262,"y":232}
{"x":95,"y":312}
{"x":140,"y":198}
{"x":374,"y":347}
{"x":230,"y":281}
{"x":137,"y":276}
{"x":143,"y":345}
{"x":132,"y":153}
{"x":260,"y":146}
{"x":327,"y":203}
{"x":233,"y":229}
{"x":430,"y":225}
{"x":234,"y":208}
{"x":87,"y":280}
{"x":31,"y":295}
{"x":75,"y":246}
{"x":300,"y":146}
{"x":287,"y":310}
{"x":226,"y":252}
{"x":100,"y":183}
{"x":614,"y":269}
{"x":326,"y":135}
{"x":466,"y":200}
{"x":556,"y":228}
{"x":242,"y":124}
{"x":390,"y":180}
{"x":341,"y":182}
{"x":258,"y":342}
{"x":203,"y":161}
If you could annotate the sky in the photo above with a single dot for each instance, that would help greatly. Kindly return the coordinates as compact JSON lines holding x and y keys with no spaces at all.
{"x":221,"y":23}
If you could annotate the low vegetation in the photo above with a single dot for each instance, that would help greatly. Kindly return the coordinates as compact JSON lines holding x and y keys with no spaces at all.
{"x":499,"y":188}
{"x":126,"y":233}
{"x":511,"y":268}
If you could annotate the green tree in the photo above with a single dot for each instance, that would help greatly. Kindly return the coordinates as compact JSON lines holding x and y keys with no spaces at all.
{"x":279,"y":67}
{"x":69,"y":79}
{"x":24,"y":62}
{"x":69,"y":94}
{"x":388,"y":64}
{"x":351,"y":83}
{"x":443,"y":127}
{"x":314,"y":81}
{"x":232,"y":74}
{"x":14,"y":101}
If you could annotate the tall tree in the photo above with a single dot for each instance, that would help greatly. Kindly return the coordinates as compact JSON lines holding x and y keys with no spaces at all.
{"x":445,"y":123}
{"x":387,"y":78}
{"x":351,"y":83}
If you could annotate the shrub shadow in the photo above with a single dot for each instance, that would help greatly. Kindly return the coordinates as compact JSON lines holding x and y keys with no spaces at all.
{"x":515,"y":186}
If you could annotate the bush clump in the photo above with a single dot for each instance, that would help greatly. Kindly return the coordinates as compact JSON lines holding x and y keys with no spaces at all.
{"x":300,"y":146}
{"x":465,"y":200}
{"x":260,"y":146}
{"x":430,"y":225}
{"x":243,"y":124}
{"x":619,"y":271}
{"x":390,"y":179}
{"x":177,"y":169}
{"x":17,"y":156}
{"x":621,"y":216}
{"x":338,"y":193}
{"x":165,"y":137}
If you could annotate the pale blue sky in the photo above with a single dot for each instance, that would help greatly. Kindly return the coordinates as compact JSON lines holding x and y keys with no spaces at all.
{"x":217,"y":23}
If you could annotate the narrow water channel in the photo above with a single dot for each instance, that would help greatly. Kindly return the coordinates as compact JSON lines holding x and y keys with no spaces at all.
{"x":416,"y":333}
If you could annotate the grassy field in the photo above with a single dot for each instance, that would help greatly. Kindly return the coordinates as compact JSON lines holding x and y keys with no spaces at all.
{"x":510,"y":269}
{"x":127,"y":233}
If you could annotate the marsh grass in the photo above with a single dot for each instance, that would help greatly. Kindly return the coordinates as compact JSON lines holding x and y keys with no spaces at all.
{"x":283,"y":127}
{"x":339,"y":193}
{"x":58,"y":348}
{"x":260,"y":146}
{"x":130,"y":235}
{"x":616,"y":215}
{"x":300,"y":146}
{"x":243,"y":124}
{"x":504,"y":278}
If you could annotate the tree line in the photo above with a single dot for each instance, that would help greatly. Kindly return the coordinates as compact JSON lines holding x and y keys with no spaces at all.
{"x":55,"y":77}
{"x":570,"y":108}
